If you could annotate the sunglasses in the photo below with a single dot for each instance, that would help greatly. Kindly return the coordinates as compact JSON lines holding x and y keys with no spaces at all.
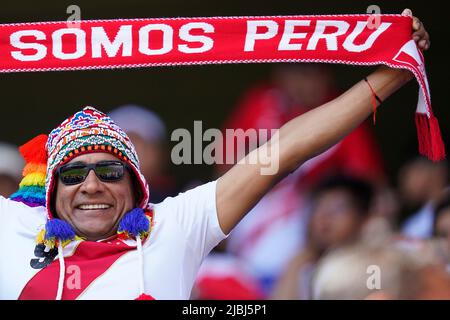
{"x":106,"y":171}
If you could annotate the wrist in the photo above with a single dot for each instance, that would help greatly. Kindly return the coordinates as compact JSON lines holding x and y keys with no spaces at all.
{"x":406,"y":74}
{"x":386,"y":81}
{"x":402,"y":76}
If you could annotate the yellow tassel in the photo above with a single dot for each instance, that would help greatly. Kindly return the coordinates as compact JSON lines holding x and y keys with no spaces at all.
{"x":150,"y":223}
{"x":51,"y":243}
{"x":33,"y":179}
{"x":40,"y":236}
{"x":65,"y":243}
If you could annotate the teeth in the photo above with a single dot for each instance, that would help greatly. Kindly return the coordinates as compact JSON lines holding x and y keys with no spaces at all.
{"x":94,"y":206}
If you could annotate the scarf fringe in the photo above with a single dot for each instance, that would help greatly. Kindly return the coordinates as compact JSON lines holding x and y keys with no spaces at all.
{"x":429,"y":137}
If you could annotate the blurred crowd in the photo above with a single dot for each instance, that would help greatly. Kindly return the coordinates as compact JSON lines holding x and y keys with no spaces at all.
{"x":337,"y":228}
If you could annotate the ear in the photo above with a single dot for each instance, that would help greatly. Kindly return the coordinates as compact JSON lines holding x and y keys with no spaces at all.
{"x":53,"y":199}
{"x":136,"y":188}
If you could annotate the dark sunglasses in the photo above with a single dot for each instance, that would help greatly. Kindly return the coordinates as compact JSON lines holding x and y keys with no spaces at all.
{"x":106,"y":171}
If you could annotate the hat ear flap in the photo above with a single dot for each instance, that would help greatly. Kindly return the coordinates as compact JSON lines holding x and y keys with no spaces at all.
{"x":135,"y":223}
{"x":55,"y":231}
{"x":32,"y":187}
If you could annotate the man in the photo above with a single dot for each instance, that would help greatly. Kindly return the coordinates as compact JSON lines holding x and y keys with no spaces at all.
{"x":386,"y":272}
{"x":441,"y":225}
{"x":110,"y":243}
{"x":340,"y":209}
{"x":420,"y":185}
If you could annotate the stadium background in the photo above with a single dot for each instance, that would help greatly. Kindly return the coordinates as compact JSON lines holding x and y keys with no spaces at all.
{"x":33,"y":103}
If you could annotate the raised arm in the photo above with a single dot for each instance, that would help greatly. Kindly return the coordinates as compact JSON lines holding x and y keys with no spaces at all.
{"x":304,"y":137}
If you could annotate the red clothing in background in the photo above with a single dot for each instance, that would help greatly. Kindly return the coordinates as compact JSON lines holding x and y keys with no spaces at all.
{"x":265,"y":107}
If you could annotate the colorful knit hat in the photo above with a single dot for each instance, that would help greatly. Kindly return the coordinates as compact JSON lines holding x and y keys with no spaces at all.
{"x":89,"y":131}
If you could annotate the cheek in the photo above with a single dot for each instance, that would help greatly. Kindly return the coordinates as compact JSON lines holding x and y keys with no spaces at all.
{"x":315,"y":223}
{"x":443,"y":224}
{"x":63,"y":196}
{"x":345,"y":226}
{"x":130,"y":197}
{"x":126,"y":194}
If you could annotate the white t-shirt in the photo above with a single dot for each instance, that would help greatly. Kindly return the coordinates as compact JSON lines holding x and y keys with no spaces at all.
{"x":277,"y":221}
{"x":185,"y":230}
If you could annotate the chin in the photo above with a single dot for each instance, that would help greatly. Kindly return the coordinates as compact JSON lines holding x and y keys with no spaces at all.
{"x":95,"y":234}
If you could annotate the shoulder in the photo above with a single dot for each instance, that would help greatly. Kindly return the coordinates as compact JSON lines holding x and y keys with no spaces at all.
{"x":10,"y":209}
{"x":189,"y":209}
{"x":201,"y":195}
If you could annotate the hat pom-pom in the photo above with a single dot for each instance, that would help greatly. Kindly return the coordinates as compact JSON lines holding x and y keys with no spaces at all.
{"x":35,"y":150}
{"x":144,"y":297}
{"x":32,"y":187}
{"x":58,"y":230}
{"x":134,"y":224}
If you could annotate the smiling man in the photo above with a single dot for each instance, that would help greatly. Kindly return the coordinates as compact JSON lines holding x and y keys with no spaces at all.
{"x":93,"y":234}
{"x":92,"y":207}
{"x":97,"y":235}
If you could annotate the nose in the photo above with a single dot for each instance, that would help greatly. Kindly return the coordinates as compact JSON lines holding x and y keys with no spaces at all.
{"x":92,"y":184}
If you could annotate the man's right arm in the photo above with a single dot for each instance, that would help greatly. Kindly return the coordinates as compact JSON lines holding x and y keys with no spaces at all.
{"x":304,"y":137}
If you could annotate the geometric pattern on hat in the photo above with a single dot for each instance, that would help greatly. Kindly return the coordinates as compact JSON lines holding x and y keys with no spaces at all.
{"x":86,"y":118}
{"x":89,"y":131}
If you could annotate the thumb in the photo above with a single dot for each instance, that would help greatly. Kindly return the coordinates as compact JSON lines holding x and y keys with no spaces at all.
{"x":407,"y":12}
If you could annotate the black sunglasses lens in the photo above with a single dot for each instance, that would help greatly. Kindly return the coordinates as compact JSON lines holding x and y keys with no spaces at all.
{"x":73,"y":175}
{"x":109,"y":171}
{"x":105,"y":171}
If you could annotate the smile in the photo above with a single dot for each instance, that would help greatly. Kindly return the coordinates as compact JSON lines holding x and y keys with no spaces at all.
{"x":94,"y":206}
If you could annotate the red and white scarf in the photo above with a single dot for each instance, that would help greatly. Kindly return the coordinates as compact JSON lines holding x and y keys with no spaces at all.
{"x":131,"y":43}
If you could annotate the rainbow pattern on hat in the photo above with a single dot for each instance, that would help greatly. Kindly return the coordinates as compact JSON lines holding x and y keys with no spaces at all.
{"x":32,"y":187}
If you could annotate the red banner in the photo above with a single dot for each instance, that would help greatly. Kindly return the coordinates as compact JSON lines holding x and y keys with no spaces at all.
{"x":132,"y":43}
{"x":155,"y":42}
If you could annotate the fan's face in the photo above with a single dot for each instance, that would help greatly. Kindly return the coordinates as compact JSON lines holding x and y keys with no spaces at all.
{"x":93,"y":207}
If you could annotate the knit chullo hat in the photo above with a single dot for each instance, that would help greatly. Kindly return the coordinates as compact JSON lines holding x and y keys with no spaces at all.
{"x":87,"y":131}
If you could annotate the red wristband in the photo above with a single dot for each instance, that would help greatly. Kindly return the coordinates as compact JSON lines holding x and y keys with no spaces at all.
{"x":375,"y":98}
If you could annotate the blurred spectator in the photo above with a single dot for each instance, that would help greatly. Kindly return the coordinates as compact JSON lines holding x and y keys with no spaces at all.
{"x":148,"y":134}
{"x":278,"y":220}
{"x":223,"y":276}
{"x":420,"y":184}
{"x":441,"y":226}
{"x":340,"y":210}
{"x":11,"y":166}
{"x":361,"y":271}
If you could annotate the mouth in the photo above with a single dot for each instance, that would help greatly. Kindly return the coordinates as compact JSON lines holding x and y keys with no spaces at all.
{"x":97,"y":206}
